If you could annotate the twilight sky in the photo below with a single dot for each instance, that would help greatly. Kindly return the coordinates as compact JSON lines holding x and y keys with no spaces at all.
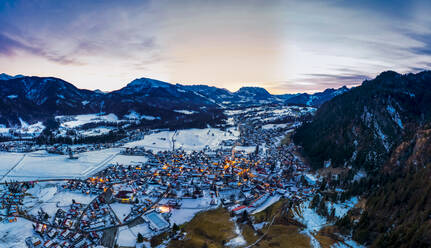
{"x":284,"y":46}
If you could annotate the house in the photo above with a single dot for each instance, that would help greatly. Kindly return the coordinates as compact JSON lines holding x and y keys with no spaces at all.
{"x":48,"y":244}
{"x":64,"y":234}
{"x":52,"y":233}
{"x":76,"y":237}
{"x":40,"y":228}
{"x":33,"y":241}
{"x":125,"y":196}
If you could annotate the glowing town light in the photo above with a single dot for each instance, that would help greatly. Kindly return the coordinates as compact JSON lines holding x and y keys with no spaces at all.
{"x":164,"y":209}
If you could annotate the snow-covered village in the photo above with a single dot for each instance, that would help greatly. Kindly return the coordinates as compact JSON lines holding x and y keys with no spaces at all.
{"x":144,"y":189}
{"x":215,"y":124}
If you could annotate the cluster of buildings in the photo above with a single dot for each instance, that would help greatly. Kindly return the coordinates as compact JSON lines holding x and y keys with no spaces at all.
{"x":61,"y":230}
{"x":54,"y":237}
{"x":241,"y":175}
{"x":11,"y":198}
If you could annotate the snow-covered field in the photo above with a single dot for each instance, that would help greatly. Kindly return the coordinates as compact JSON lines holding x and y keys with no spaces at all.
{"x":188,"y":139}
{"x":126,"y":238}
{"x":8,"y":161}
{"x":48,"y":197}
{"x":42,"y":165}
{"x":274,"y":126}
{"x":12,"y":235}
{"x":239,"y":240}
{"x":121,"y":210}
{"x":270,"y":114}
{"x":313,"y":222}
{"x":341,"y":209}
{"x":25,"y":129}
{"x":128,"y":159}
{"x":78,"y":120}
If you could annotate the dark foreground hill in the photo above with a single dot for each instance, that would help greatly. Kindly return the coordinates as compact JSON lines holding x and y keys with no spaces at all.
{"x":384,"y":128}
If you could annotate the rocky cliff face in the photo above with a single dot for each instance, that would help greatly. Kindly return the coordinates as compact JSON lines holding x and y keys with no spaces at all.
{"x":362,"y":127}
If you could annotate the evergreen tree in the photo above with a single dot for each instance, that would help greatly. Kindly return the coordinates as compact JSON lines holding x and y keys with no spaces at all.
{"x":175,"y":227}
{"x":315,"y":201}
{"x":140,"y":238}
{"x":332,"y":214}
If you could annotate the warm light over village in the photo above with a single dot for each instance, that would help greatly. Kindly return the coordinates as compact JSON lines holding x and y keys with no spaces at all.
{"x":213,"y":124}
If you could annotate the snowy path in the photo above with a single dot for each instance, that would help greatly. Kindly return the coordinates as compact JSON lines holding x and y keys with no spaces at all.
{"x":266,"y":232}
{"x":13,"y":167}
{"x":92,"y":170}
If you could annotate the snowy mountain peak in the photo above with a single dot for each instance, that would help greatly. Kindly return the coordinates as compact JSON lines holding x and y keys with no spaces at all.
{"x":253,"y":91}
{"x":4,"y":76}
{"x":148,"y":83}
{"x":341,"y":90}
{"x":99,"y":91}
{"x":143,"y":85}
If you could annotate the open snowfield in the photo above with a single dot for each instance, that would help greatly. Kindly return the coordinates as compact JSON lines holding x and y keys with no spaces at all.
{"x":26,"y":129}
{"x":42,"y":165}
{"x":271,"y":114}
{"x":189,"y":139}
{"x":121,"y":210}
{"x":48,"y":197}
{"x":78,"y":120}
{"x":142,"y":229}
{"x":126,"y":159}
{"x":246,"y":149}
{"x":125,"y":237}
{"x":189,"y":208}
{"x":274,"y":126}
{"x":12,"y":235}
{"x":8,"y":161}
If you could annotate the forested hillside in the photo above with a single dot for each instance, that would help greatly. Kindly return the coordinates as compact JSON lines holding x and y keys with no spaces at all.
{"x":384,"y":127}
{"x":363,"y":126}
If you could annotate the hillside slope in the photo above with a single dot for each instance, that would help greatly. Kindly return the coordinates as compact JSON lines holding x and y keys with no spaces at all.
{"x":362,"y":127}
{"x":384,"y":127}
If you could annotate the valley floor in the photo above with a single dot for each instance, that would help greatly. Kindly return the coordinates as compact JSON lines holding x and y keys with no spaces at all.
{"x":237,"y":187}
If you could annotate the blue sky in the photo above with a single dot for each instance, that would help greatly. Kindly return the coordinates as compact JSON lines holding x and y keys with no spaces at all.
{"x":284,"y":46}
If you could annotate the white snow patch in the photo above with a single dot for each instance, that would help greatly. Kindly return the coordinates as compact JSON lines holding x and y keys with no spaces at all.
{"x":125,"y":237}
{"x":359,"y":175}
{"x":271,"y":200}
{"x":311,"y":220}
{"x":121,"y":210}
{"x":79,"y":120}
{"x":57,"y":166}
{"x":14,"y":234}
{"x":247,"y":149}
{"x":341,"y":209}
{"x":238,"y":240}
{"x":274,"y":126}
{"x":259,"y":225}
{"x":348,"y":243}
{"x":186,"y":112}
{"x":188,"y":139}
{"x":12,"y":96}
{"x":132,"y":115}
{"x":311,"y":179}
{"x":395,"y":116}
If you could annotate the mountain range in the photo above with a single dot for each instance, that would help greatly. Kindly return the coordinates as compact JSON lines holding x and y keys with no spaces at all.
{"x":31,"y":99}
